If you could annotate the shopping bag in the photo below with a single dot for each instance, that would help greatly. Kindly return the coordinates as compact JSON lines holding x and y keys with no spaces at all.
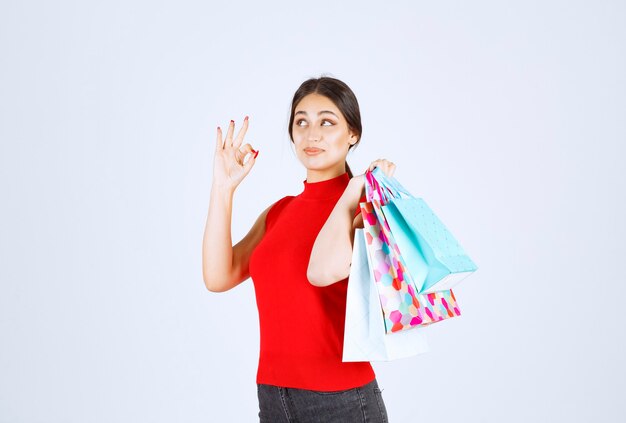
{"x":432,"y":255}
{"x":365,"y":338}
{"x":403,"y":308}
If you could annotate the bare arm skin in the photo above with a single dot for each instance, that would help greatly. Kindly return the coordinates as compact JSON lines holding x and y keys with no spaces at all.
{"x":332,"y":251}
{"x":225,"y":266}
{"x":331,"y":255}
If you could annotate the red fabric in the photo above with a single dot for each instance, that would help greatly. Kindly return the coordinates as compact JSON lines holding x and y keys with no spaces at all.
{"x":358,"y":206}
{"x":301,"y":325}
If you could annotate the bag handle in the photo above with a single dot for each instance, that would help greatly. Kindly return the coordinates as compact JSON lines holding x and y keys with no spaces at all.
{"x":391,"y":183}
{"x":374,"y":190}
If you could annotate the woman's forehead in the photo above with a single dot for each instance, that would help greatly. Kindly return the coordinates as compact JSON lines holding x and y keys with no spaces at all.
{"x":316,"y":105}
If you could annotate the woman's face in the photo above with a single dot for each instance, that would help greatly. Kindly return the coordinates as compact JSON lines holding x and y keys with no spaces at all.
{"x":321,"y":135}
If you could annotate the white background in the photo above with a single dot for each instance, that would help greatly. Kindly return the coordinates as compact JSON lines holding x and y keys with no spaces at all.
{"x":506,"y":117}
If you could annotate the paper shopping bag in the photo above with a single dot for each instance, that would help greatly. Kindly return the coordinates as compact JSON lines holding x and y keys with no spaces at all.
{"x":365,"y":338}
{"x":403,"y":308}
{"x":432,"y":255}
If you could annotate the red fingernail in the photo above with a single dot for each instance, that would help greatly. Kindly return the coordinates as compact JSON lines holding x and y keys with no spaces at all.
{"x":218,"y":128}
{"x":246,"y":118}
{"x":232,"y":121}
{"x":256,"y":154}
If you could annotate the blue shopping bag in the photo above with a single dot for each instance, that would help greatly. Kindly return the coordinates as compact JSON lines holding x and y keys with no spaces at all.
{"x":431,"y":253}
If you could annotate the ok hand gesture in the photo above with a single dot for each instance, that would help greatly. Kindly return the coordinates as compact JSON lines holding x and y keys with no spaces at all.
{"x":229,"y":167}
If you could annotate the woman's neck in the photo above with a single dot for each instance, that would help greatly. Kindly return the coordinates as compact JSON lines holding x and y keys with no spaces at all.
{"x":314,"y":175}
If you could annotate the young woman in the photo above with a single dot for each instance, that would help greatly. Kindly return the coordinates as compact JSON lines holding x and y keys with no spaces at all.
{"x":298,"y":255}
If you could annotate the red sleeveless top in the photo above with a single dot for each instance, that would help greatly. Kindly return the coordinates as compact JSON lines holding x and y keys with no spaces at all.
{"x":301,"y":325}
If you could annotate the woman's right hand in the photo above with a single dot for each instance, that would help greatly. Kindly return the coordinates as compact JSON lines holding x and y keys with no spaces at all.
{"x":229,"y":168}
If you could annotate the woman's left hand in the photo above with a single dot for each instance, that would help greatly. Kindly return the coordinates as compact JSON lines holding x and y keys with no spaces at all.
{"x":385,"y":165}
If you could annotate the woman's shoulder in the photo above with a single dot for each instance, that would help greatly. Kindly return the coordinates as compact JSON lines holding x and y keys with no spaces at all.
{"x":276,"y":208}
{"x":284,"y":200}
{"x":280,"y":204}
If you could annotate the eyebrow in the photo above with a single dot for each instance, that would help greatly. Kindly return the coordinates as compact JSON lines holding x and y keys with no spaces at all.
{"x":318,"y":113}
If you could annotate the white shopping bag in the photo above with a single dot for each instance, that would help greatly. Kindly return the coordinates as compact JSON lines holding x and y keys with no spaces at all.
{"x":364,"y":336}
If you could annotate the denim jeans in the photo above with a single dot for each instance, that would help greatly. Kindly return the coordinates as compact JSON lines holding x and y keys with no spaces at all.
{"x":290,"y":405}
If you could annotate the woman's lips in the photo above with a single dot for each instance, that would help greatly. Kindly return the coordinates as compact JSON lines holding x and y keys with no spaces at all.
{"x":312,"y":151}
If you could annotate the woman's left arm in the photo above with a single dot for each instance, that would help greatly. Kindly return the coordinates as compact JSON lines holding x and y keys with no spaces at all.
{"x":331,"y":256}
{"x":332,"y":251}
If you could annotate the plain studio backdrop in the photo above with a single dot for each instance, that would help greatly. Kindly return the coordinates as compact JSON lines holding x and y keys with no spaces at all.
{"x":506,"y":117}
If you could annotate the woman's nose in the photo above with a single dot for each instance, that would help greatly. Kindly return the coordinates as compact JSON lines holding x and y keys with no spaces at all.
{"x":314,"y":134}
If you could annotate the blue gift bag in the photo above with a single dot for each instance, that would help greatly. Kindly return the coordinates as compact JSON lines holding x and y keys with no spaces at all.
{"x":431,"y":254}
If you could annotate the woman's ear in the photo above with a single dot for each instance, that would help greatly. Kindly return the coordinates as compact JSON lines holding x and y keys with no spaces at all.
{"x":354,"y":138}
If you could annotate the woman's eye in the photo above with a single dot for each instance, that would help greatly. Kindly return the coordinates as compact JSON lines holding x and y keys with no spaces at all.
{"x":324,"y":120}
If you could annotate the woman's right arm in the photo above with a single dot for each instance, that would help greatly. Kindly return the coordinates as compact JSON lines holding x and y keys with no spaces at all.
{"x":225,"y":266}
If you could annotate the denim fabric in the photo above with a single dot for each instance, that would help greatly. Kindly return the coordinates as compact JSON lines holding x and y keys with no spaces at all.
{"x":290,"y":405}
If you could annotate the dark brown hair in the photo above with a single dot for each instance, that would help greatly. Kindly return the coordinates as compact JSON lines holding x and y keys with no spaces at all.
{"x":337,"y":92}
